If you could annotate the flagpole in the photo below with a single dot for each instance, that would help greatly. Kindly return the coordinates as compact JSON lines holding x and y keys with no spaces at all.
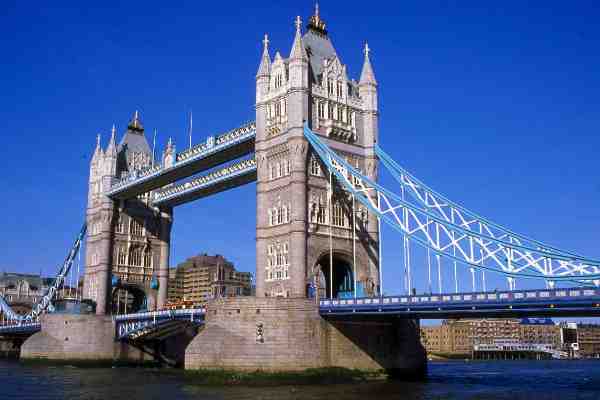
{"x":190,"y":129}
{"x":154,"y":148}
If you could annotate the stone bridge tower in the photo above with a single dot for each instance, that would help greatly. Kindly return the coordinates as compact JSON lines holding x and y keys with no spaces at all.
{"x":128,"y":241}
{"x":305,"y":230}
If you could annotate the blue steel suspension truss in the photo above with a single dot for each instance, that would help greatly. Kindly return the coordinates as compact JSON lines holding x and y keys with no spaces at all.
{"x":45,"y":302}
{"x":451,"y":231}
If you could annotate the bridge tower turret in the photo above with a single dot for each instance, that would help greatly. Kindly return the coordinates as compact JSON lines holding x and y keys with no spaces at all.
{"x":304,"y":235}
{"x":99,"y":219}
{"x":127,"y":239}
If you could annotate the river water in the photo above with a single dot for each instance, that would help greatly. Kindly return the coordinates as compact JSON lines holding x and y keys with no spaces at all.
{"x":531,"y":380}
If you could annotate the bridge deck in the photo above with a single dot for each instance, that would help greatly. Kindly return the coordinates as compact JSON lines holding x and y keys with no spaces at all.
{"x":20,"y":329}
{"x":551,"y":302}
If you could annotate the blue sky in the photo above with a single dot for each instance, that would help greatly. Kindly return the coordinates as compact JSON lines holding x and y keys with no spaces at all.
{"x":494,"y":104}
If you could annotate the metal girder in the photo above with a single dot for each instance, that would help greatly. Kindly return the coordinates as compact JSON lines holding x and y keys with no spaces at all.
{"x":45,"y":302}
{"x":542,"y":302}
{"x":215,"y":150}
{"x":449,"y":231}
{"x":234,"y":175}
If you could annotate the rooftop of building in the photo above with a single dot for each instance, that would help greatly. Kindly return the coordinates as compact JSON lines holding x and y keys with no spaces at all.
{"x":8,"y":278}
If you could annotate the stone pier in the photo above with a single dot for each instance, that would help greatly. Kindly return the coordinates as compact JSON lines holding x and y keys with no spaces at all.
{"x":10,"y":347}
{"x":77,"y":337}
{"x":283,"y":334}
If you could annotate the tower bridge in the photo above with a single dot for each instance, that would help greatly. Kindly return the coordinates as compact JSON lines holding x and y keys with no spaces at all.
{"x":314,"y":153}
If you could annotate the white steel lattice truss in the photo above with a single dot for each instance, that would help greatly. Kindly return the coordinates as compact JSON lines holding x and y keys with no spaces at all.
{"x":451,"y":231}
{"x":45,"y":302}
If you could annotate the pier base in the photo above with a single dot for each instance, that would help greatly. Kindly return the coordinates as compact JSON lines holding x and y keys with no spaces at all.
{"x":282,"y":334}
{"x":76,"y":337}
{"x":10,"y":347}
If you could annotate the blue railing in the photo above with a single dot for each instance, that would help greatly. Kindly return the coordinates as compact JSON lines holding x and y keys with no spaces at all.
{"x":133,"y":326}
{"x":211,"y":146}
{"x":20,"y":328}
{"x":546,"y":301}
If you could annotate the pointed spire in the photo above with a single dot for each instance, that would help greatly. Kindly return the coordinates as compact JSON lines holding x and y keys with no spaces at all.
{"x":367,"y":75}
{"x":264,"y":68}
{"x":316,"y":23}
{"x":98,"y":151}
{"x":298,"y":52}
{"x":136,"y":123}
{"x":112,"y":143}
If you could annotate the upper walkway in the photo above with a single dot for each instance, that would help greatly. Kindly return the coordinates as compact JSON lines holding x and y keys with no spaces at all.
{"x":208,"y":154}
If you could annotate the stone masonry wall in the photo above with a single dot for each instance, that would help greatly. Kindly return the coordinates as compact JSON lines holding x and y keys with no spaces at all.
{"x":285,"y":334}
{"x":78,"y":337}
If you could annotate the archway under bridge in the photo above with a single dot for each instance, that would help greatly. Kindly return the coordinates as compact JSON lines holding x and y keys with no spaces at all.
{"x":337,"y":276}
{"x":128,"y":298}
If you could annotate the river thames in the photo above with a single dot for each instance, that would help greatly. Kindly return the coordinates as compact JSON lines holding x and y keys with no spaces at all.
{"x":531,"y":380}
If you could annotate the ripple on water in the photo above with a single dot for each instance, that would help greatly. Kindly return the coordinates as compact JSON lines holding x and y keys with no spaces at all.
{"x":548,"y":380}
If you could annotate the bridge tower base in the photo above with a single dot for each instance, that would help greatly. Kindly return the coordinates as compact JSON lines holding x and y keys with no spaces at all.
{"x":285,"y":334}
{"x":79,"y":338}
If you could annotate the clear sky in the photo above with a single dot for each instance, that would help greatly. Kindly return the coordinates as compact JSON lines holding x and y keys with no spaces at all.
{"x":494,"y":104}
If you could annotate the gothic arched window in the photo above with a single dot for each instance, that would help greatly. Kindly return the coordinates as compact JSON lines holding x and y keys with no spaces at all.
{"x":148,"y":258}
{"x":135,"y":256}
{"x":121,"y":256}
{"x":136,"y":228}
{"x":120,"y":225}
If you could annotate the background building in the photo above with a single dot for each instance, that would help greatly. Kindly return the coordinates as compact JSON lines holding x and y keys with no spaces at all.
{"x":588,"y":338}
{"x":21,"y":291}
{"x":203,"y":277}
{"x":457,"y":337}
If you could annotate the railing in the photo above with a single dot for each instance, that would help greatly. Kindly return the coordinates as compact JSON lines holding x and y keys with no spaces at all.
{"x":206,"y":180}
{"x":134,"y":326}
{"x":234,"y":135}
{"x":160,"y":314}
{"x":135,"y":176}
{"x":211,"y":145}
{"x":506,"y":296}
{"x":29,"y":327}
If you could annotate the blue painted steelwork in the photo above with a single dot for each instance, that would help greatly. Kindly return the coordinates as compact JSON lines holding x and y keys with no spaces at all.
{"x":45,"y":302}
{"x":543,"y":302}
{"x":28,"y":328}
{"x":433,"y":200}
{"x":138,"y":325}
{"x":243,"y":134}
{"x":244,"y":168}
{"x":454,"y":240}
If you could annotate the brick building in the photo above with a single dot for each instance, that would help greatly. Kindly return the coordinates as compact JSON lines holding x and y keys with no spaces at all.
{"x":588,"y":337}
{"x":457,"y":337}
{"x":203,"y":277}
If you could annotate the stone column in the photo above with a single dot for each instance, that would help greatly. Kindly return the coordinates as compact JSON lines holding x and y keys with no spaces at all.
{"x":162,"y":274}
{"x":298,"y":188}
{"x":103,"y":272}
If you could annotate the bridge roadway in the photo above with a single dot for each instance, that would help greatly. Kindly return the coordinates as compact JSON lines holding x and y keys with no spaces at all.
{"x":211,"y":153}
{"x":156,"y":325}
{"x":28,"y":328}
{"x":581,"y":302}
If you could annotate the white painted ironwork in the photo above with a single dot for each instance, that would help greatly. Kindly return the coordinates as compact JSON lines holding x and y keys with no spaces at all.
{"x":427,"y":219}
